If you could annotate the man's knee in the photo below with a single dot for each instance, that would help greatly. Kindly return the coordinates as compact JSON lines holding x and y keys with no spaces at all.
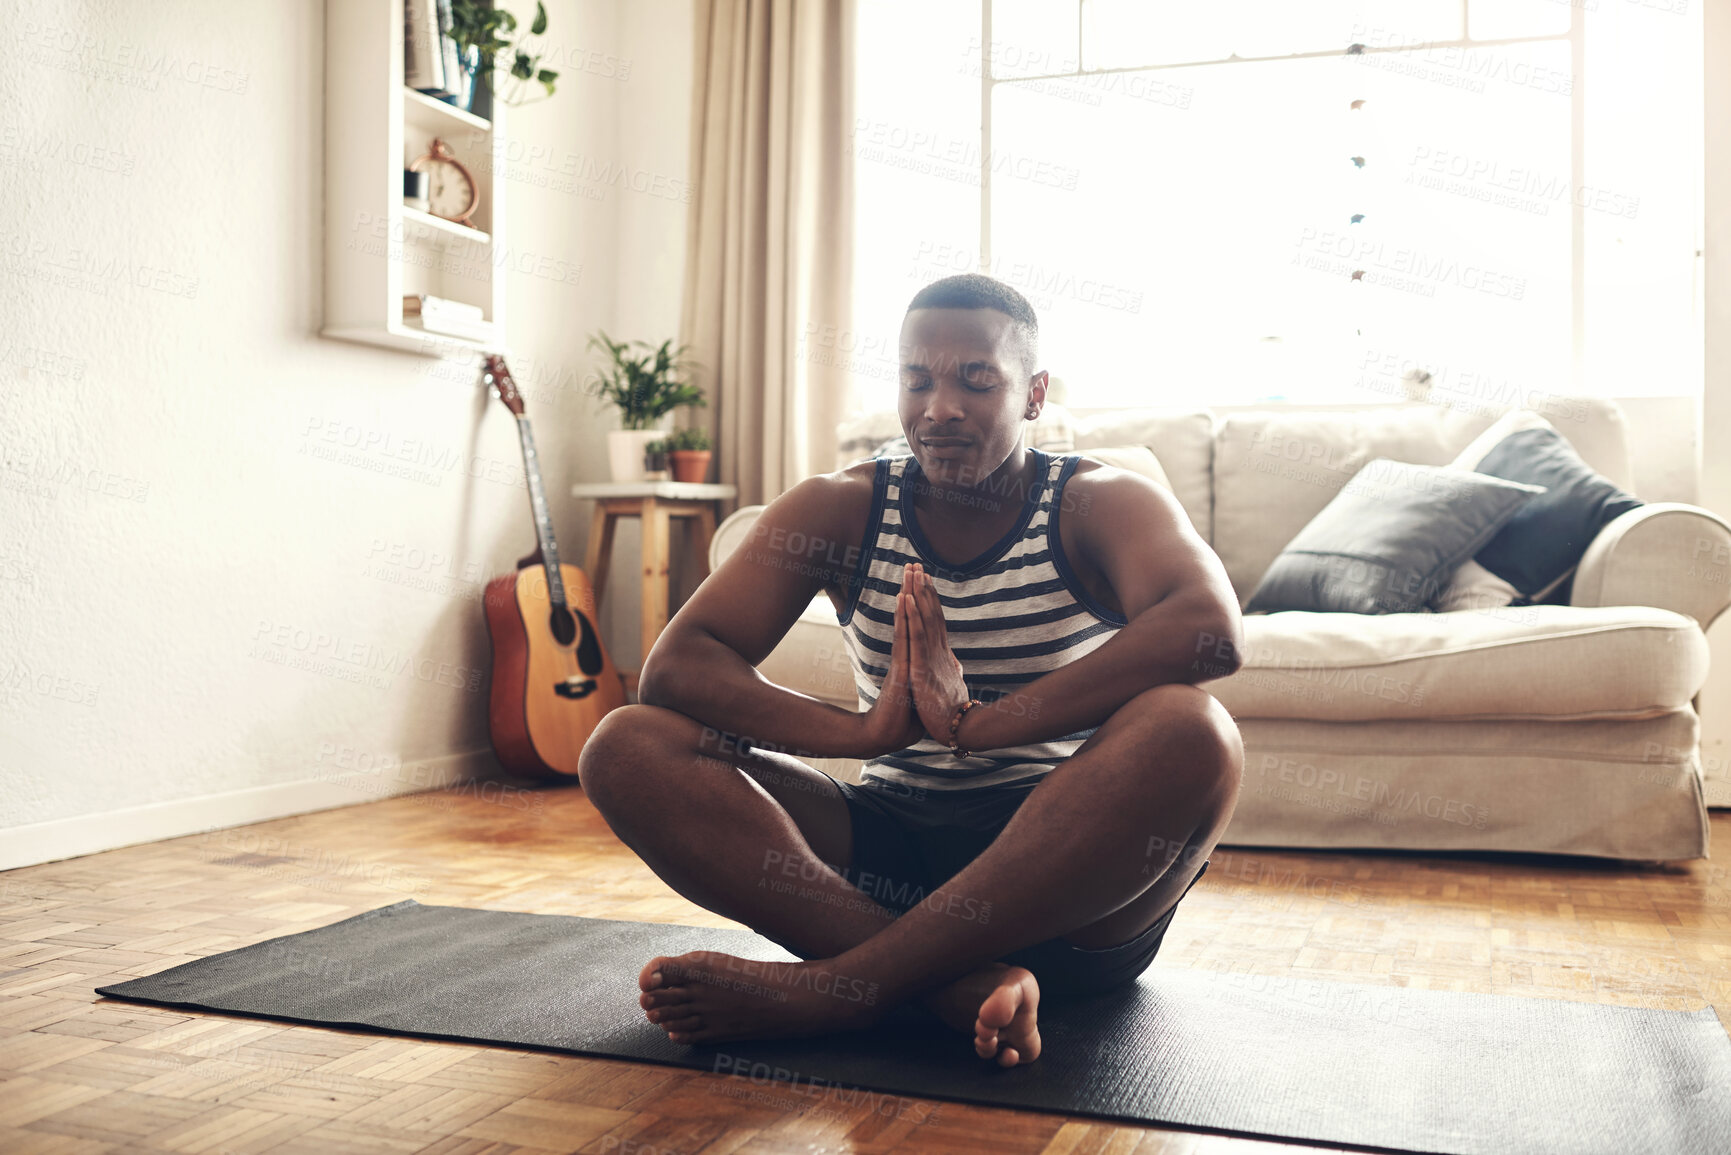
{"x":1190,"y":724}
{"x":628,"y":741}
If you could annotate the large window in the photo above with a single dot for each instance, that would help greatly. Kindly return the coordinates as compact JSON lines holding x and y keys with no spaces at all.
{"x":1257,"y":200}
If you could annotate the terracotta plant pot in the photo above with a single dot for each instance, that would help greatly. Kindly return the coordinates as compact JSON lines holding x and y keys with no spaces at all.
{"x":690,"y":464}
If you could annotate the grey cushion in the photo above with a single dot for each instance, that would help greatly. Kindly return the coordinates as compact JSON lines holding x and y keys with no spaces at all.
{"x":1542,"y":543}
{"x":1389,"y":540}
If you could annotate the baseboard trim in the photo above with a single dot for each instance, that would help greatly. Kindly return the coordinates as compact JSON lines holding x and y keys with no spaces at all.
{"x":84,"y":834}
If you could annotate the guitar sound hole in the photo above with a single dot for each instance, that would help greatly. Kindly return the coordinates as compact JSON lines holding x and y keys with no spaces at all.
{"x":589,"y":648}
{"x":564,"y":629}
{"x":568,"y":627}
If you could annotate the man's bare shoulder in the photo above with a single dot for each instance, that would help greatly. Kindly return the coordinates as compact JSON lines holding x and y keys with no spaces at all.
{"x":859,"y":475}
{"x":1128,"y":531}
{"x":1100,"y":494}
{"x":820,"y":499}
{"x":1094,"y":476}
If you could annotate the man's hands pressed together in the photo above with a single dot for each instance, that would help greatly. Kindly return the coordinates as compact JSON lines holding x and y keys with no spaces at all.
{"x":924,"y":686}
{"x":892,"y":723}
{"x":936,"y":672}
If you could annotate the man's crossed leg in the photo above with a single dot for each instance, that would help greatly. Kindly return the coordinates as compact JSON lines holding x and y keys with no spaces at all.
{"x":1099,"y":851}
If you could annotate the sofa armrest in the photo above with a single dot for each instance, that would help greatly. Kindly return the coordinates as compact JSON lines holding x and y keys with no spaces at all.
{"x":732,"y":533}
{"x":1667,"y":555}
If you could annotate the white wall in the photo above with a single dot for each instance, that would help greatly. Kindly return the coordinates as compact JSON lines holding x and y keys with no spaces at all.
{"x":171,"y":543}
{"x":650,"y":274}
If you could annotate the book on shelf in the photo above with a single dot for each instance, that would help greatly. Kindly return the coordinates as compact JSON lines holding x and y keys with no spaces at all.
{"x":448,"y":54}
{"x":423,"y":58}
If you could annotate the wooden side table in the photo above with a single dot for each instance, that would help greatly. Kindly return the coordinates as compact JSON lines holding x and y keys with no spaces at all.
{"x":656,"y":503}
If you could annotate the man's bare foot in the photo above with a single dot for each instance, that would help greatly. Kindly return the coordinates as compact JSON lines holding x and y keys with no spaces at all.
{"x":711,"y":997}
{"x":998,"y":1005}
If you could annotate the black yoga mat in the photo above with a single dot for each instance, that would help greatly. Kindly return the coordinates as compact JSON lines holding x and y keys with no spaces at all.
{"x":1382,"y":1067}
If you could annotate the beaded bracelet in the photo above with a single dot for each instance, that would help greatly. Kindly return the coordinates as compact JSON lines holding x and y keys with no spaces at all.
{"x":956,"y":724}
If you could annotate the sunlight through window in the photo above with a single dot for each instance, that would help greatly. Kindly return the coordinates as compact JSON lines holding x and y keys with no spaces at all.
{"x":1319,"y":226}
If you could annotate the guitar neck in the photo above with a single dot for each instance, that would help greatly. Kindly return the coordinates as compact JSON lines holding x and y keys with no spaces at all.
{"x":543,"y":519}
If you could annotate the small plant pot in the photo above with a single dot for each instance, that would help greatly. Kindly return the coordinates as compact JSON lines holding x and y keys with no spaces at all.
{"x":625,"y":452}
{"x":690,"y":464}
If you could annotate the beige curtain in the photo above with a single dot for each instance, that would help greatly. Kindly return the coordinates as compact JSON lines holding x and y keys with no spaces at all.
{"x":770,"y":234}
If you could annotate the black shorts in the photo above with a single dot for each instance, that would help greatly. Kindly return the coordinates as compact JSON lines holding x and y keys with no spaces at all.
{"x":899,"y":863}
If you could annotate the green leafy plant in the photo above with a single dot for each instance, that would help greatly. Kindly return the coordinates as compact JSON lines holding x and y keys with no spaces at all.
{"x":656,"y":448}
{"x":645,"y":386}
{"x":687,"y":439}
{"x":477,"y":24}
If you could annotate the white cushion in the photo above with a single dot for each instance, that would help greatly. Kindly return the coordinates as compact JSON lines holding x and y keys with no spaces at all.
{"x":1181,"y":439}
{"x":1545,"y":662}
{"x":859,"y":436}
{"x":1473,"y":587}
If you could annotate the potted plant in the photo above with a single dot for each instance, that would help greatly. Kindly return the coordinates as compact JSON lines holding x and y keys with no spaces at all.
{"x":479,"y":28}
{"x":646,"y":386}
{"x":655,"y":461}
{"x":689,"y":449}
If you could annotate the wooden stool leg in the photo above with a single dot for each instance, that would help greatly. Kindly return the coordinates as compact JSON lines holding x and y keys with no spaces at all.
{"x":599,"y":554}
{"x":705,"y":531}
{"x":655,"y":559}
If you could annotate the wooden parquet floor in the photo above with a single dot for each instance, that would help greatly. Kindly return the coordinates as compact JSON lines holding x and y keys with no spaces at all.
{"x":80,"y":1074}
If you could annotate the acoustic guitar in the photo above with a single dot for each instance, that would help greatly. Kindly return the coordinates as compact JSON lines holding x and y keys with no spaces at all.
{"x":552,"y":679}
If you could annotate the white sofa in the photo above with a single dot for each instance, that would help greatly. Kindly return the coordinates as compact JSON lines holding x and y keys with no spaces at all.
{"x":1566,"y":729}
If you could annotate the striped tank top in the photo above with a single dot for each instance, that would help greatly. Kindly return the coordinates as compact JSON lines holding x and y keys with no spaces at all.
{"x":1012,"y":614}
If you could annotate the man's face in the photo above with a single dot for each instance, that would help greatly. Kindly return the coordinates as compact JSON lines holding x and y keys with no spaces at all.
{"x":963,"y":393}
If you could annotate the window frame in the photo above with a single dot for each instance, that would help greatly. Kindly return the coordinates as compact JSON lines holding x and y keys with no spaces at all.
{"x":1575,"y":36}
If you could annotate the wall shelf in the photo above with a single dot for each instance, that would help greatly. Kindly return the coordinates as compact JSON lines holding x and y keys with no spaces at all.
{"x":457,"y":117}
{"x":414,"y":219}
{"x":377,"y":250}
{"x":410,"y":338}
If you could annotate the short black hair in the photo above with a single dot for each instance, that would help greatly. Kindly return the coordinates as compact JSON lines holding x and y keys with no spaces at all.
{"x":978,"y":291}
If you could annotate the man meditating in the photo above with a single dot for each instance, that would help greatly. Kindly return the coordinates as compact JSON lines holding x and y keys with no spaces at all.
{"x":1043,"y":780}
